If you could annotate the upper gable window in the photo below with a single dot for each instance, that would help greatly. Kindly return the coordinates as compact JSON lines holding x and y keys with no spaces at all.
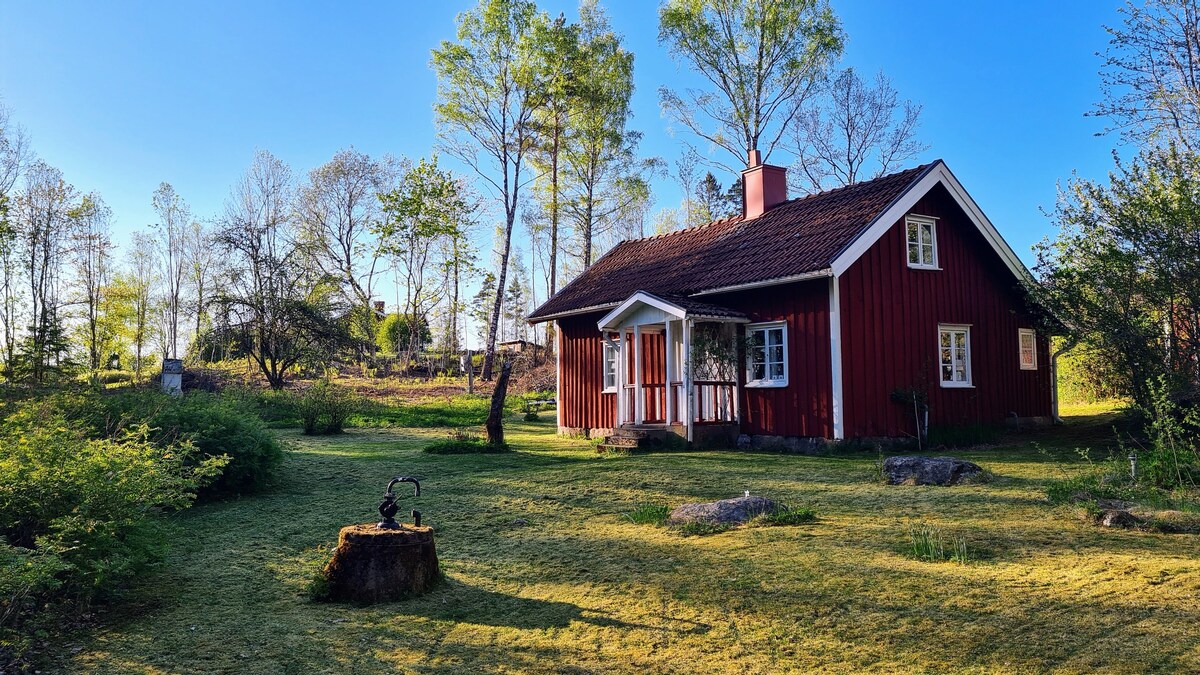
{"x":922,"y":242}
{"x":1027,"y":341}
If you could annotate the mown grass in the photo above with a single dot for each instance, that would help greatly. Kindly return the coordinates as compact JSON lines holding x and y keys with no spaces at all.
{"x":545,"y":573}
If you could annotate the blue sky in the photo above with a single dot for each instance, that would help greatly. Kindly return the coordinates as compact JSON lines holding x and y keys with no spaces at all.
{"x":123,"y":95}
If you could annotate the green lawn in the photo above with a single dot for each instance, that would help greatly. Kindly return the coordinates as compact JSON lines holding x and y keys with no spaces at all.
{"x":580,"y":589}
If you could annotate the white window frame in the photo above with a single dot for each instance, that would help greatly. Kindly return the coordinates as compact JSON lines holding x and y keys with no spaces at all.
{"x":953,"y":328}
{"x":921,"y":222}
{"x":610,"y":359}
{"x":1030,"y":333}
{"x":766,"y":382}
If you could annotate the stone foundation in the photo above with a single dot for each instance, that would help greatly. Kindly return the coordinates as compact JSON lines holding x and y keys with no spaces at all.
{"x":794,"y":444}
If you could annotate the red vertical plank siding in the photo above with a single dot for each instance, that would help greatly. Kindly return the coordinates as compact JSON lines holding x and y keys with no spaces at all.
{"x":585,"y":406}
{"x":654,"y":358}
{"x":890,"y":317}
{"x":803,"y":408}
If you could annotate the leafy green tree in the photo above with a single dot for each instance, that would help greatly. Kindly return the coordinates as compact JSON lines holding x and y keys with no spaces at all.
{"x":765,"y":59}
{"x":487,"y":94}
{"x":428,"y":208}
{"x":396,"y":330}
{"x":601,"y":153}
{"x":557,"y":64}
{"x":1124,"y":269}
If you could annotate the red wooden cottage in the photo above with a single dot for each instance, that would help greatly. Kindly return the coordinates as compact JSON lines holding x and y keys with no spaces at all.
{"x":809,"y":318}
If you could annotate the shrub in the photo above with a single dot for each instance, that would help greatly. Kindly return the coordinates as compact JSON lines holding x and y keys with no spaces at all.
{"x":324,"y":408}
{"x":214,"y":425}
{"x":277,"y":409}
{"x":1170,"y":458}
{"x":649,"y":514}
{"x":927,"y":542}
{"x":463,"y":442}
{"x":81,"y":515}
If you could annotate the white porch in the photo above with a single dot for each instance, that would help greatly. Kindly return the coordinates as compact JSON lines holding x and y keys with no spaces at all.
{"x":669,"y":362}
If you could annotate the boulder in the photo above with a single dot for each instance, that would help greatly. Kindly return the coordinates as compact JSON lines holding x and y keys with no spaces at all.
{"x":723,"y":512}
{"x":1119,"y":518}
{"x":907,"y":470}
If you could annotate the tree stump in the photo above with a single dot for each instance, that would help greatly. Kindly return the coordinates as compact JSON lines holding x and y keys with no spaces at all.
{"x":378,"y":565}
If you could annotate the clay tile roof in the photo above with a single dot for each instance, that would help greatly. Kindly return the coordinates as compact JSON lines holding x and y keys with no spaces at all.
{"x":796,"y":237}
{"x":702,"y":308}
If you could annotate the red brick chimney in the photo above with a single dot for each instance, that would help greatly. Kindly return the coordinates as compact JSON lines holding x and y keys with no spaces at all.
{"x":763,"y":186}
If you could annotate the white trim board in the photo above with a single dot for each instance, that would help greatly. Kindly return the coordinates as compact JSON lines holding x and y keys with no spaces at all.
{"x":937,"y":174}
{"x":835,"y":358}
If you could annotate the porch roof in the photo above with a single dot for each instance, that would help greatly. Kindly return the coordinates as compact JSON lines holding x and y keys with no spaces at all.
{"x":675,"y":306}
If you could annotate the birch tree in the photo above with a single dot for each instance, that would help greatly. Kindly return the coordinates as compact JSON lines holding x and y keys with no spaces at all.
{"x":92,"y":249}
{"x":43,"y":228}
{"x":487,"y":94}
{"x":339,"y":209}
{"x":174,"y":218}
{"x":1151,"y":74}
{"x":764,"y":60}
{"x":425,"y":212}
{"x":142,"y":278}
{"x":14,"y":158}
{"x":202,"y":264}
{"x":606,"y":174}
{"x":859,"y":131}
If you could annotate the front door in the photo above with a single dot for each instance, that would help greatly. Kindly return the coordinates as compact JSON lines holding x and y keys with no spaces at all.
{"x":654,"y":378}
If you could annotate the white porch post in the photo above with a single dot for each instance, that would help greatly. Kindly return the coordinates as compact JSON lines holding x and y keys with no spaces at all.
{"x":622,"y":375}
{"x":738,"y":367}
{"x":558,"y":386}
{"x":689,"y":390}
{"x":669,"y":350}
{"x":638,"y":402}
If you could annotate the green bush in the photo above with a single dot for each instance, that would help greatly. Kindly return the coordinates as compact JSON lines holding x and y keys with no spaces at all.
{"x":277,"y":409}
{"x":324,"y":408}
{"x":216,"y":426}
{"x":79,"y":515}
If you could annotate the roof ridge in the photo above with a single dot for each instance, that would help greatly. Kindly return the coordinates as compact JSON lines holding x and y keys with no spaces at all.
{"x":728,"y":219}
{"x":690,"y":228}
{"x":860,"y":184}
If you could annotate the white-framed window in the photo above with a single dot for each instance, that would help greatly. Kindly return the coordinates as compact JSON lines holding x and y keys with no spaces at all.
{"x":610,"y":368}
{"x":1027,"y":343}
{"x":766,"y":355}
{"x":954,"y":355}
{"x":922,"y":241}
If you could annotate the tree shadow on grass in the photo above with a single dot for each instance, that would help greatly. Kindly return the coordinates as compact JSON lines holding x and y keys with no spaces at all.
{"x":459,"y":602}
